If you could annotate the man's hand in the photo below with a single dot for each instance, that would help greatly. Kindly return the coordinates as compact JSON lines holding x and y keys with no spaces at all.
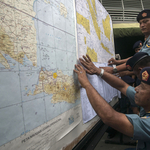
{"x":90,"y":67}
{"x":82,"y":76}
{"x":113,"y":61}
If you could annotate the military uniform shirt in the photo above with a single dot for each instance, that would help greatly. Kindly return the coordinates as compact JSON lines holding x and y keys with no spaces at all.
{"x":146,"y":46}
{"x":141,"y":127}
{"x":130,"y":93}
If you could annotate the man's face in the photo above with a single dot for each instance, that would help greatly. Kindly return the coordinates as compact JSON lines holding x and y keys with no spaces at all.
{"x":142,"y":95}
{"x":138,"y":49}
{"x":145,"y":26}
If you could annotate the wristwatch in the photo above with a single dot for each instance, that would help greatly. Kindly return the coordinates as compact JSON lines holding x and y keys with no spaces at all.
{"x":102,"y":72}
{"x":114,"y":69}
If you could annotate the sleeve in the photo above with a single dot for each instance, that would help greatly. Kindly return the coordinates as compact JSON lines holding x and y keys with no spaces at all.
{"x":141,"y":127}
{"x":130,"y":93}
{"x":145,"y":48}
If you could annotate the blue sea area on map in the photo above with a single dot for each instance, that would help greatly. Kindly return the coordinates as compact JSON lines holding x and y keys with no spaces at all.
{"x":21,"y":109}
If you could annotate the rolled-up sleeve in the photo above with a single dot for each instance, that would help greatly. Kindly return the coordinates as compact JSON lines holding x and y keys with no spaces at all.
{"x":130,"y":93}
{"x":141,"y":127}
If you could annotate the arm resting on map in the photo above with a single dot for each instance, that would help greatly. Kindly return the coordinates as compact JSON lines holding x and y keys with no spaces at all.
{"x":109,"y":78}
{"x":108,"y":115}
{"x":113,"y":61}
{"x":121,"y":67}
{"x":115,"y":82}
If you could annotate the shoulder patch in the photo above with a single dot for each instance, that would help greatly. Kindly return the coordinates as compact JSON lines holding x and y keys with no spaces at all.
{"x":128,"y":67}
{"x":145,"y":117}
{"x":145,"y":75}
{"x":148,"y":43}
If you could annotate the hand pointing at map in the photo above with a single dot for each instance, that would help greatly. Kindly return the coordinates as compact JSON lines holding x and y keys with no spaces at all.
{"x":88,"y":64}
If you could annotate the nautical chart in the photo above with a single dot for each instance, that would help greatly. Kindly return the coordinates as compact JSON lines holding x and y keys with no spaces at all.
{"x":39,"y":93}
{"x":94,"y":30}
{"x":37,"y":58}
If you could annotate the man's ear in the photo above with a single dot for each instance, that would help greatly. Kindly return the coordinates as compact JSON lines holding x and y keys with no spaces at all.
{"x":140,"y":68}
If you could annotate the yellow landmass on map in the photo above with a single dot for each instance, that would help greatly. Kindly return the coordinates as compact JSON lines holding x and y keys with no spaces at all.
{"x":106,"y":49}
{"x":4,"y":62}
{"x":17,"y":32}
{"x":94,"y":6}
{"x":55,"y":75}
{"x":83,"y":21}
{"x":6,"y":47}
{"x":23,"y":5}
{"x":85,"y":40}
{"x":63,"y":10}
{"x":92,"y":54}
{"x":107,"y":27}
{"x":94,"y":18}
{"x":47,"y":2}
{"x":61,"y":86}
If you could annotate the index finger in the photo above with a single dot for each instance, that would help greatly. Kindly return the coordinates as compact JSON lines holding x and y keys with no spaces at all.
{"x":84,"y":63}
{"x":78,"y":67}
{"x":110,"y":63}
{"x":88,"y":57}
{"x":110,"y":60}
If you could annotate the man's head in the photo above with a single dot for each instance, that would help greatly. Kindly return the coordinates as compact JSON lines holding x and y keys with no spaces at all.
{"x":142,"y":96}
{"x":144,"y":20}
{"x":138,"y":62}
{"x":137,"y":46}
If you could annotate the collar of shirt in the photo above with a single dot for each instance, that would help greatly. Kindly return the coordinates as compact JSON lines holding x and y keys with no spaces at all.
{"x":146,"y":115}
{"x":146,"y":40}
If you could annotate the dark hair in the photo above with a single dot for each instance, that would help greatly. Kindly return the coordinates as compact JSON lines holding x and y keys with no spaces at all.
{"x":143,"y":63}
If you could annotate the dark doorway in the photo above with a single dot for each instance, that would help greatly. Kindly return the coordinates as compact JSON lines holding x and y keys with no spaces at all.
{"x":123,"y":45}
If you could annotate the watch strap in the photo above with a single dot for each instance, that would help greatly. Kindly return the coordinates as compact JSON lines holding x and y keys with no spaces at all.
{"x":102,"y":72}
{"x":114,"y":69}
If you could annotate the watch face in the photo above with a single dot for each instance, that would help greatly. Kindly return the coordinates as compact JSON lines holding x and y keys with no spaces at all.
{"x":115,"y":70}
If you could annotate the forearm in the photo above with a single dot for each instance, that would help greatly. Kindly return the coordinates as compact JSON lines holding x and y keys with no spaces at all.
{"x":102,"y":108}
{"x":125,"y":73}
{"x":121,"y":67}
{"x":108,"y":115}
{"x":123,"y":61}
{"x":115,"y":82}
{"x":128,"y":73}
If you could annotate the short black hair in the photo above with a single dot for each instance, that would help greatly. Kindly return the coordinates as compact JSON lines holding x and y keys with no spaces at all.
{"x":143,"y":63}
